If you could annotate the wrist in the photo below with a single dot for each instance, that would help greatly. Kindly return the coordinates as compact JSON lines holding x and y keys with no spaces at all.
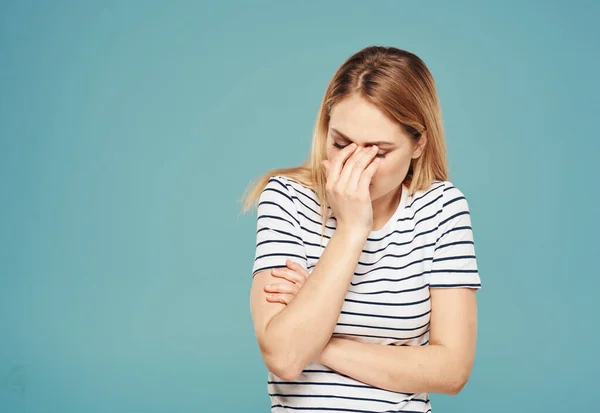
{"x":353,"y":234}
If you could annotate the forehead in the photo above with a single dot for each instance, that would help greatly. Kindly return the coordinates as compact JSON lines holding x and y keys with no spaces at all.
{"x":362,"y":121}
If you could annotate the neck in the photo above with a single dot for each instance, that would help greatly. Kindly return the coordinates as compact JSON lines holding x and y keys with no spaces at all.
{"x":385,"y":206}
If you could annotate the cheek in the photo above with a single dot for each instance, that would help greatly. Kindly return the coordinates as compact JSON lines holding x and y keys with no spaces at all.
{"x":330,"y":150}
{"x":329,"y":153}
{"x":390,"y":171}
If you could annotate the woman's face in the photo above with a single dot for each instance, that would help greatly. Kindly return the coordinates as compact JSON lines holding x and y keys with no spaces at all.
{"x":354,"y":119}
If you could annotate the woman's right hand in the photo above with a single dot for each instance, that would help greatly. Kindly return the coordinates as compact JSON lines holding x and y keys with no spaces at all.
{"x":348,"y":178}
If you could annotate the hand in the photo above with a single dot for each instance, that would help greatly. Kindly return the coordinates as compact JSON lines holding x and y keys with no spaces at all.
{"x":348,"y":178}
{"x":294,"y":275}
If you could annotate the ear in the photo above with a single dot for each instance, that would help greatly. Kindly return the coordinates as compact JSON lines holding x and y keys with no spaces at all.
{"x":420,"y":146}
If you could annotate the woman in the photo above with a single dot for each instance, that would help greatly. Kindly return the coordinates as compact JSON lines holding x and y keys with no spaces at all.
{"x":364,"y":278}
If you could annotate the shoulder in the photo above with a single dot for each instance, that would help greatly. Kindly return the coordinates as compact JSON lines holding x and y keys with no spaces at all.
{"x":303,"y":196}
{"x":276,"y":187}
{"x":438,"y":194}
{"x":441,"y":200}
{"x":291,"y":195}
{"x":452,"y":205}
{"x":285,"y":184}
{"x":442,"y":188}
{"x":451,"y":196}
{"x":279,"y":186}
{"x":279,"y":194}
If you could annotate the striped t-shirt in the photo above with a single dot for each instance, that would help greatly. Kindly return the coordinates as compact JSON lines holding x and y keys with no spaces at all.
{"x":427,"y":243}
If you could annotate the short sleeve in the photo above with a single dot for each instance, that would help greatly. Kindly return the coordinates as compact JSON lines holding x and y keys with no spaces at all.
{"x":278,"y":231}
{"x":454,"y":262}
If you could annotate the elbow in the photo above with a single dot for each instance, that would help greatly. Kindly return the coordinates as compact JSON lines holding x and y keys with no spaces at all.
{"x":286,"y":374}
{"x":456,"y":383}
{"x":282,"y":364}
{"x":282,"y":368}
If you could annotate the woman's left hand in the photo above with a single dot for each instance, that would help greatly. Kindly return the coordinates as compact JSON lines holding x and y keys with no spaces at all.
{"x":293,"y":276}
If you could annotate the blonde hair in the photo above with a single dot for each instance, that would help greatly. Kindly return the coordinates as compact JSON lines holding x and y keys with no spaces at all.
{"x":400,"y":85}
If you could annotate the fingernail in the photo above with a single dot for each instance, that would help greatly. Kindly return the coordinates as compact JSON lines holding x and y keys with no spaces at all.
{"x":374,"y":148}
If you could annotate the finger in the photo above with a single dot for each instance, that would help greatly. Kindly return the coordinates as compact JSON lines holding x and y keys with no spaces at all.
{"x":352,"y":166}
{"x":361,"y":165}
{"x":367,"y":175}
{"x":285,"y":288}
{"x":336,"y":165}
{"x":288,"y":275}
{"x":280,"y":298}
{"x":297,"y":267}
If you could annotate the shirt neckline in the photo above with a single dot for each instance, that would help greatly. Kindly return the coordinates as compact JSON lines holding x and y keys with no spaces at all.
{"x":390,"y":222}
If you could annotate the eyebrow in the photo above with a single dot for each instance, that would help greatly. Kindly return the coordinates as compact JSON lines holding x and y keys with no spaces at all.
{"x":378,"y":143}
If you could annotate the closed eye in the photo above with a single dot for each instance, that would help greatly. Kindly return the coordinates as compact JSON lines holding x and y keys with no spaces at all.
{"x":337,"y":145}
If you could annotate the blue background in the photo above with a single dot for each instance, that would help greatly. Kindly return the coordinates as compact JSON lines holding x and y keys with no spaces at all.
{"x":129,"y":131}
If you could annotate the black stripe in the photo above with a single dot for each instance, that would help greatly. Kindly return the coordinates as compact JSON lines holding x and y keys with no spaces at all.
{"x":292,"y":197}
{"x":300,"y":188}
{"x":454,"y":216}
{"x":448,"y":188}
{"x":279,"y":241}
{"x":467,"y":227}
{"x":389,"y":279}
{"x":280,"y":232}
{"x":458,"y":198}
{"x":396,"y":317}
{"x":454,"y":285}
{"x":408,"y":290}
{"x":425,"y":194}
{"x":343,"y":410}
{"x":318,"y":383}
{"x":452,"y":270}
{"x":315,"y":222}
{"x":277,"y":217}
{"x":279,"y":254}
{"x":382,"y":328}
{"x":317,"y":213}
{"x":384,"y":337}
{"x":421,"y":207}
{"x":387,"y":304}
{"x":281,"y":208}
{"x":324,"y":396}
{"x":283,"y":193}
{"x":394,"y":268}
{"x":453,"y":243}
{"x":454,"y":257}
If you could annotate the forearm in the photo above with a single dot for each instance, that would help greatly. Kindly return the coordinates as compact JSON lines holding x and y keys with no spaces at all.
{"x":407,"y":369}
{"x":301,"y":330}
